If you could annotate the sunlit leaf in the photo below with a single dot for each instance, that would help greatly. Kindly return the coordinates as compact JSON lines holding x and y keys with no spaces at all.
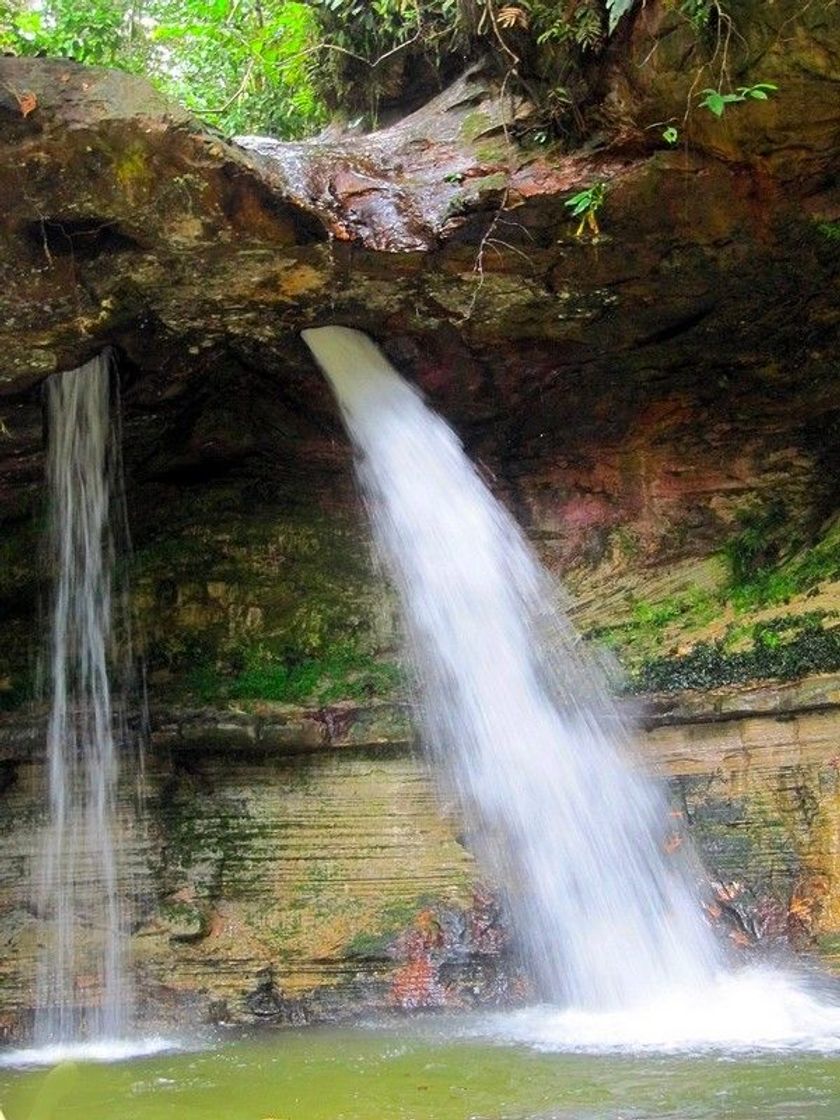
{"x":714,"y":101}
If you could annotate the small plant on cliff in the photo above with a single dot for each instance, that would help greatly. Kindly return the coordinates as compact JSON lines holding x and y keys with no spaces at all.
{"x":716,"y":101}
{"x":585,"y":205}
{"x":756,"y":547}
{"x":697,"y":11}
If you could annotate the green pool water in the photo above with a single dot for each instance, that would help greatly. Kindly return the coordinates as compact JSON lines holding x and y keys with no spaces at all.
{"x":408,"y":1071}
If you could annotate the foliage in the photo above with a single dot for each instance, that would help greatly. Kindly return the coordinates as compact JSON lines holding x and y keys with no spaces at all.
{"x":582,"y":25}
{"x":767,"y":585}
{"x":642,"y":635}
{"x":88,"y":30}
{"x":585,"y":205}
{"x":368,"y":45}
{"x":248,"y":65}
{"x":716,"y":101}
{"x":280,"y":66}
{"x":373,"y":50}
{"x":784,"y":648}
{"x":698,"y":12}
{"x":757,"y":545}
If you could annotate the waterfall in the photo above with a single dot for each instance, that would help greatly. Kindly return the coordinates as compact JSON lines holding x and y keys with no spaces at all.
{"x":599,"y":881}
{"x":83,"y":988}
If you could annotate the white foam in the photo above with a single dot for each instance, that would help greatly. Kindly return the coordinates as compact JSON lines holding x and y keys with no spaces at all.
{"x":106,"y":1050}
{"x":758,"y":1009}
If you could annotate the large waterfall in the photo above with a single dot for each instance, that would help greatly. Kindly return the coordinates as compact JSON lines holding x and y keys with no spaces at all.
{"x":598,"y":878}
{"x":83,"y":985}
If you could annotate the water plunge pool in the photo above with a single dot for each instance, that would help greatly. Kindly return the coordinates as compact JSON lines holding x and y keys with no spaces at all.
{"x":429,"y":1068}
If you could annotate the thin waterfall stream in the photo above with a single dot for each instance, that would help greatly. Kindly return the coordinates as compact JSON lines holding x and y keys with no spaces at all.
{"x":604,"y":892}
{"x":84,"y":986}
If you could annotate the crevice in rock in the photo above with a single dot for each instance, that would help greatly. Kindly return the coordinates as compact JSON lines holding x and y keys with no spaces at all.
{"x":677,"y":327}
{"x":82,"y":238}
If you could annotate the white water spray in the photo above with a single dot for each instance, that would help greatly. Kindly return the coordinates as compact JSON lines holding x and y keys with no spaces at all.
{"x":602,"y":890}
{"x":577,"y":836}
{"x":83,"y":985}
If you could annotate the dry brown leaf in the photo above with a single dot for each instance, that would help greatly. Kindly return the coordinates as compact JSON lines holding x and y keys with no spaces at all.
{"x":512,"y":17}
{"x":27,"y":102}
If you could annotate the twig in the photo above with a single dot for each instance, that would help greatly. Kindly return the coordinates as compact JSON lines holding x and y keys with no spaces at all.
{"x":249,"y":69}
{"x":490,"y":14}
{"x":478,"y":264}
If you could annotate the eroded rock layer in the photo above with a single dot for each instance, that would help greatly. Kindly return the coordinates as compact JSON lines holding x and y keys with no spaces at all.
{"x":291,"y":880}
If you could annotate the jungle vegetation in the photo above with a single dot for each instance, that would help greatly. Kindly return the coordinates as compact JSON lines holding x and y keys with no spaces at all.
{"x":283,"y":67}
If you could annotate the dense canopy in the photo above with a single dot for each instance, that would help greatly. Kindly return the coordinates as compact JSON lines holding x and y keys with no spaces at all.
{"x":281,"y":66}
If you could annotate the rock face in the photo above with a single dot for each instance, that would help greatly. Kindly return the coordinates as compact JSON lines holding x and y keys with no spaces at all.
{"x":279,"y":888}
{"x":283,"y":883}
{"x":657,"y":405}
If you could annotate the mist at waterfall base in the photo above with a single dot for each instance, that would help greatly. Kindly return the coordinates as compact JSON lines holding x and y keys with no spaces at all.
{"x":603,"y":893}
{"x":82,"y":891}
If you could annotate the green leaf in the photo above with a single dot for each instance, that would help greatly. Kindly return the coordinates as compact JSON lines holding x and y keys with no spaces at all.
{"x":580,"y":197}
{"x":670,"y":135}
{"x":616,"y":9}
{"x":29,"y":23}
{"x":714,"y":101}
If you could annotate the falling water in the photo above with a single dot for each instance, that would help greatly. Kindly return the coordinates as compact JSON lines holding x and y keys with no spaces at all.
{"x":603,"y":889}
{"x":83,"y":986}
{"x":599,"y":879}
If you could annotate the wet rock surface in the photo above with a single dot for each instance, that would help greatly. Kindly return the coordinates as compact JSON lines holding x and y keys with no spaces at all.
{"x":628,"y":396}
{"x":292,"y":886}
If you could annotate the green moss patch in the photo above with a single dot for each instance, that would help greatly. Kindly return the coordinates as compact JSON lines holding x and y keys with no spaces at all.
{"x":730,"y":635}
{"x":785,"y":648}
{"x":392,"y":920}
{"x":342,"y":673}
